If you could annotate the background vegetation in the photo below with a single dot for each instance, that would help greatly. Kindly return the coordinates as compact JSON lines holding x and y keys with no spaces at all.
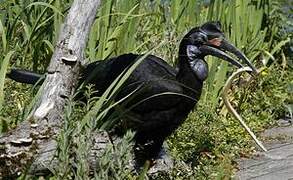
{"x":208,"y":143}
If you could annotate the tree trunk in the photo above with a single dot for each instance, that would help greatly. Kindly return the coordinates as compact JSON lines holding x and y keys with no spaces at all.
{"x":33,"y":143}
{"x":20,"y":147}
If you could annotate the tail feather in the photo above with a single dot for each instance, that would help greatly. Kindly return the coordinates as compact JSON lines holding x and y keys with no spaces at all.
{"x":24,"y":76}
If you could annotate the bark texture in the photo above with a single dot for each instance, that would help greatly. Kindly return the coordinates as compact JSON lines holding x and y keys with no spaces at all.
{"x":20,"y":147}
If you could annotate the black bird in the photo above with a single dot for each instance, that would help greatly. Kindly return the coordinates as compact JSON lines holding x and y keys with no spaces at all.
{"x":166,"y":94}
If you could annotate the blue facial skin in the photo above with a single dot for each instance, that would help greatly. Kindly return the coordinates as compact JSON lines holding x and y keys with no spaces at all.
{"x":199,"y":66}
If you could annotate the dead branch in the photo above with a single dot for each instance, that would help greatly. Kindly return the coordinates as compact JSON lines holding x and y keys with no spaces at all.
{"x":20,"y":147}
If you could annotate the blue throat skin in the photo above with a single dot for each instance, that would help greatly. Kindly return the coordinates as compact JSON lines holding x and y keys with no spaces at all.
{"x":200,"y":68}
{"x":198,"y":65}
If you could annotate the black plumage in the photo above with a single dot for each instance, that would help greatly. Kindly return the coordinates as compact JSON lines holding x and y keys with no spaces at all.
{"x":164,"y":97}
{"x":165,"y":94}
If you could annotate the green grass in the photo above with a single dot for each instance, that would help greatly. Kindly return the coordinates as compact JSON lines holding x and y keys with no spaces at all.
{"x":210,"y":140}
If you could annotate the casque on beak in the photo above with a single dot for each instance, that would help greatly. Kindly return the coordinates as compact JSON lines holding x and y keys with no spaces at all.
{"x":219,"y":46}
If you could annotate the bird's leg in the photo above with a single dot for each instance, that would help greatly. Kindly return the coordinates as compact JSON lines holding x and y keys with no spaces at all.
{"x":147,"y":151}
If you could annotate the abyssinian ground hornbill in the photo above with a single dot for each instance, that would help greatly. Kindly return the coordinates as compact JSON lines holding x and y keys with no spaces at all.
{"x":158,"y":115}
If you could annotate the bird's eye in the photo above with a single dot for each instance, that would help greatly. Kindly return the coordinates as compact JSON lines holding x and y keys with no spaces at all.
{"x":200,"y":38}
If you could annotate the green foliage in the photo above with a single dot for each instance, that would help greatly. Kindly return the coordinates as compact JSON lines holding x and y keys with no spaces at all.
{"x":244,"y":23}
{"x":210,"y":140}
{"x":207,"y":138}
{"x":114,"y":163}
{"x":75,"y":142}
{"x":3,"y":70}
{"x":29,"y":30}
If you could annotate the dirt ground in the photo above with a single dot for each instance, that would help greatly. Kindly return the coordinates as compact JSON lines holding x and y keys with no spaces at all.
{"x":277,"y":163}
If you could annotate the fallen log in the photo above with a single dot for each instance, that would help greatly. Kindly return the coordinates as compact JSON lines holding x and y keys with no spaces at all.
{"x":20,"y":147}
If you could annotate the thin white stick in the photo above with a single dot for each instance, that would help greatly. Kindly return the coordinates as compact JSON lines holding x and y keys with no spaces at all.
{"x":233,"y":111}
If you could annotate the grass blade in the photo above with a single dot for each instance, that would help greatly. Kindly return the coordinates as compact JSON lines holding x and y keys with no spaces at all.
{"x":3,"y":70}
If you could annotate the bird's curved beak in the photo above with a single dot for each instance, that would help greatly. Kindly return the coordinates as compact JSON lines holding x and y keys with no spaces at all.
{"x":218,"y":47}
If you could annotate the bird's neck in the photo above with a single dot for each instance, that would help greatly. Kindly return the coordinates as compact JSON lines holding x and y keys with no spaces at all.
{"x":191,"y":68}
{"x":188,"y":75}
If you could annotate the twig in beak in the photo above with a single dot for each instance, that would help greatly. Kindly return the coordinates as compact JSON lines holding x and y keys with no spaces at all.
{"x":232,"y":110}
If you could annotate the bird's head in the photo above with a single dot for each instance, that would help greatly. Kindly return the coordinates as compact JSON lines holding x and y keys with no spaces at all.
{"x":209,"y":39}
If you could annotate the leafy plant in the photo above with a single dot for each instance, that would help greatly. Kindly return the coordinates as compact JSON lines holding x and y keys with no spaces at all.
{"x":209,"y":140}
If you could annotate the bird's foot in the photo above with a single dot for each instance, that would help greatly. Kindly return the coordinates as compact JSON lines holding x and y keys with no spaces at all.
{"x":162,"y":163}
